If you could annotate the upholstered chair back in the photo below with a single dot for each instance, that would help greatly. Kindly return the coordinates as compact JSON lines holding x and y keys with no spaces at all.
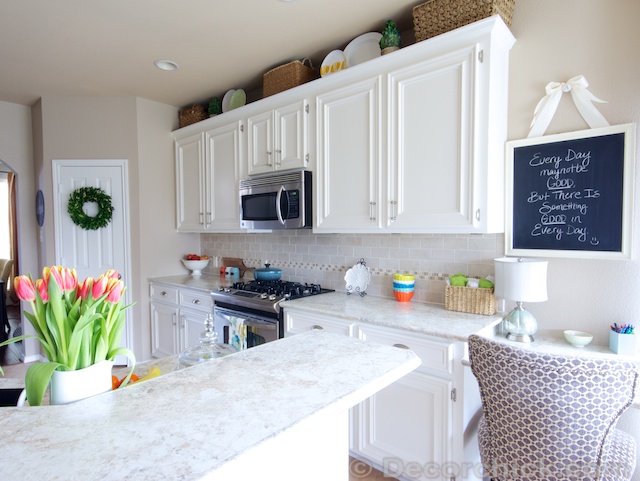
{"x":550,"y":417}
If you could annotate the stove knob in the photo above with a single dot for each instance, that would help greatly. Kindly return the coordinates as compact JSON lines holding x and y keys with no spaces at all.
{"x":264,"y":295}
{"x":220,"y":288}
{"x":226,"y":289}
{"x":272,"y":297}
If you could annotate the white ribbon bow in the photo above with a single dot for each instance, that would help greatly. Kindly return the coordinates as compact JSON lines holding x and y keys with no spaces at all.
{"x":582,"y":98}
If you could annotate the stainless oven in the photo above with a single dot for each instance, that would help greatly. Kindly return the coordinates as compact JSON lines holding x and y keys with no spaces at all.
{"x":242,"y":329}
{"x":247,"y":314}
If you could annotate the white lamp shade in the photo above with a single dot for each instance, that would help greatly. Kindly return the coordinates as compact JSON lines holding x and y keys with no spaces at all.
{"x":519,"y":279}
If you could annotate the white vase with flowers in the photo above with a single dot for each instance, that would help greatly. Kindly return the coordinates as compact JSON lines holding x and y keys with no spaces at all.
{"x":78,"y":324}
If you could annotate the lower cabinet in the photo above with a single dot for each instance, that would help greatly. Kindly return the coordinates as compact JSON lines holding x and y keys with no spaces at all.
{"x":177,"y":318}
{"x":416,"y":427}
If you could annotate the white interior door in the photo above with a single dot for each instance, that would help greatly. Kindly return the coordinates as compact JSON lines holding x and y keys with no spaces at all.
{"x":92,"y":252}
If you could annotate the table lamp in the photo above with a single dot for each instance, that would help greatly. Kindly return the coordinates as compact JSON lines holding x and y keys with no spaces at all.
{"x":520,"y":280}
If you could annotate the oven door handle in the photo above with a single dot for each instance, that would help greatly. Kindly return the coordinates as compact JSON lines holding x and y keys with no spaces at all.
{"x":269,"y":326}
{"x":249,"y":320}
{"x":278,"y":205}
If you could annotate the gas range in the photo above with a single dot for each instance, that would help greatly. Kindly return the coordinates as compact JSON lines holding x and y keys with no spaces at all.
{"x":265,"y":295}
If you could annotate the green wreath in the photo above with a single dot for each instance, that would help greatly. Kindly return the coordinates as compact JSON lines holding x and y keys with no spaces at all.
{"x":79,"y":198}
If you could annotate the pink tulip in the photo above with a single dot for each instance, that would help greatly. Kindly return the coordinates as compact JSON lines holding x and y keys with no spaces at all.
{"x":69,"y":279}
{"x":41,"y":285}
{"x":112,"y":274}
{"x":25,"y":290}
{"x":115,"y":288}
{"x":56,"y":272}
{"x":99,"y":286}
{"x":85,"y":287}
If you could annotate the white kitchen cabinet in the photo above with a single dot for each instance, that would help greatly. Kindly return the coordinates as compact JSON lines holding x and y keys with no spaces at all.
{"x":277,"y":138}
{"x":208,"y":167}
{"x":177,"y":318}
{"x":414,"y":143}
{"x":191,"y":195}
{"x":349,"y":157}
{"x":416,"y":427}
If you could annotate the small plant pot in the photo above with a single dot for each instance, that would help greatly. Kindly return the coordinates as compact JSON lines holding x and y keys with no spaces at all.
{"x":387,"y":50}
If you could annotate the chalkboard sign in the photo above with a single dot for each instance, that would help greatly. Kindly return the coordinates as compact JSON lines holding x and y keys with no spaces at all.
{"x":571,"y":195}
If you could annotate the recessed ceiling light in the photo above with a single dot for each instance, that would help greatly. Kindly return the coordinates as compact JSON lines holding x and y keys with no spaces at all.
{"x":166,"y":65}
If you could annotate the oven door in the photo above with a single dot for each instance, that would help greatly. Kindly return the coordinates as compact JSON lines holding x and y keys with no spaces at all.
{"x":243,"y":330}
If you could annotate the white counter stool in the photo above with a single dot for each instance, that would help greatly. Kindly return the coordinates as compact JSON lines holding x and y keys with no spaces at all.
{"x":548,"y":416}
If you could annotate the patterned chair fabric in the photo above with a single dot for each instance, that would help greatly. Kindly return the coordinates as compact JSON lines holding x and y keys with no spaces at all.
{"x":549,"y":417}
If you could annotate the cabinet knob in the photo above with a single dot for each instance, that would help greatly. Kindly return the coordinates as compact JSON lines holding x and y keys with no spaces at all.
{"x":196,"y":301}
{"x":163,"y":293}
{"x":401,"y":346}
{"x":317,"y":327}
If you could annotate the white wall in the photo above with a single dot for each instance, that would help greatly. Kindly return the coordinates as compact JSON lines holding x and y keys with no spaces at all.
{"x":17,"y":152}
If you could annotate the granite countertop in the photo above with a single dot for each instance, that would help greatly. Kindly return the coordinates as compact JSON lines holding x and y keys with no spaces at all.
{"x":154,"y":430}
{"x":411,"y":316}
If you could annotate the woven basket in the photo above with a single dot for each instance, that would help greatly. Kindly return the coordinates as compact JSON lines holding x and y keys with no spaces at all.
{"x":193,"y":114}
{"x":439,"y":16}
{"x":474,"y":300}
{"x":287,"y":76}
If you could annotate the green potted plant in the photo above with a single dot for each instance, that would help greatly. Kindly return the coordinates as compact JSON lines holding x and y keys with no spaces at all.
{"x":79,"y":325}
{"x":390,"y":40}
{"x":215,"y":107}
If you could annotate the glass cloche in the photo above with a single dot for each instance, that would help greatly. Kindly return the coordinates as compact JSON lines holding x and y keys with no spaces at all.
{"x":207,"y":350}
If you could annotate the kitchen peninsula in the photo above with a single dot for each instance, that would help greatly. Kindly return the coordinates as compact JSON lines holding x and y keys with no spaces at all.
{"x":277,"y":411}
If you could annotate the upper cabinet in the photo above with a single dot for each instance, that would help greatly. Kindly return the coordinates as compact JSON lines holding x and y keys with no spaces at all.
{"x":207,"y":175}
{"x":411,"y":142}
{"x":415,"y":142}
{"x":277,"y":138}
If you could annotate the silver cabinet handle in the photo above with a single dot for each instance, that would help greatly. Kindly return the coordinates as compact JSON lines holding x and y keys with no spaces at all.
{"x":196,"y":301}
{"x":394,"y":209}
{"x":372,"y":212}
{"x":317,"y":327}
{"x":401,"y":346}
{"x":163,"y":293}
{"x":174,"y":322}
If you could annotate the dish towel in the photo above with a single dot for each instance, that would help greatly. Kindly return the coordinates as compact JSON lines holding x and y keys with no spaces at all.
{"x":237,"y":333}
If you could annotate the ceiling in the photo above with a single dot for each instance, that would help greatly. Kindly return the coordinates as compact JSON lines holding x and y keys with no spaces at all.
{"x":108,"y":47}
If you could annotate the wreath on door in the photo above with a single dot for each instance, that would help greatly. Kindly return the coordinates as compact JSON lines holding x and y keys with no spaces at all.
{"x":79,"y":198}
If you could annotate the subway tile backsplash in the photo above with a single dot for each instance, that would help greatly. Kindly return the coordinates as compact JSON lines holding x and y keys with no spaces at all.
{"x":325,"y":258}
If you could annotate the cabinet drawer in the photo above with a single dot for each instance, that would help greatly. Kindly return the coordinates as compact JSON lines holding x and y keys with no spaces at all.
{"x":295,"y":323}
{"x":196,"y":300}
{"x":164,"y":293}
{"x":437,"y":357}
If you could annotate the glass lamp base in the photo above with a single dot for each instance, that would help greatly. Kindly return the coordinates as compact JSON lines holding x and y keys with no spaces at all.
{"x":520,"y":325}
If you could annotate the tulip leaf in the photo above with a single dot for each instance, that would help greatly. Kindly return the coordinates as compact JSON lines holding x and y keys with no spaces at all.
{"x":37,"y":379}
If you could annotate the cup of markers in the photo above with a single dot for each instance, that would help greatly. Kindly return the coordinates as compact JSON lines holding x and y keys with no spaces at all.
{"x":622,"y":339}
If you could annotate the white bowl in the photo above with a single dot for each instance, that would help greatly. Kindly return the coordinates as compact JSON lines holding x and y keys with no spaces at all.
{"x":195,"y":266}
{"x":578,"y":338}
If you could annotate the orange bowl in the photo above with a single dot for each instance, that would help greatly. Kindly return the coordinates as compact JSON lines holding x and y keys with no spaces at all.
{"x":403,"y":296}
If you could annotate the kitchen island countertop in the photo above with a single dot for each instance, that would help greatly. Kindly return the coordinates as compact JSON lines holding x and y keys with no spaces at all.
{"x":190,"y":423}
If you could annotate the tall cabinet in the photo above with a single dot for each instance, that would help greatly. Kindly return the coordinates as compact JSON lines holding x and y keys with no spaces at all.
{"x":414,"y":142}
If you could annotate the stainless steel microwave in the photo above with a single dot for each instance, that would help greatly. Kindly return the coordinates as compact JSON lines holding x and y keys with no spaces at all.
{"x":276,"y":201}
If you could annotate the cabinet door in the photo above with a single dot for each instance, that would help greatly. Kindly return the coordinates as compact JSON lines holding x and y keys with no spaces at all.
{"x":191,"y":325}
{"x":260,"y":152}
{"x":431,"y":144}
{"x":408,"y":426}
{"x":164,"y":330}
{"x":190,"y":183}
{"x":224,"y":153}
{"x":291,"y":136}
{"x":349,"y":150}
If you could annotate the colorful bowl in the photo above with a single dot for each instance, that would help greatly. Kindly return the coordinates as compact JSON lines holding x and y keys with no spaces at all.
{"x":403,"y":296}
{"x":404,"y":289}
{"x":404,"y":277}
{"x":403,"y":284}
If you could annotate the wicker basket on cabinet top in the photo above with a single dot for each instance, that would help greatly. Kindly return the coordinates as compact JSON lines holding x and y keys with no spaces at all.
{"x":439,"y":16}
{"x":191,"y":115}
{"x":287,"y":76}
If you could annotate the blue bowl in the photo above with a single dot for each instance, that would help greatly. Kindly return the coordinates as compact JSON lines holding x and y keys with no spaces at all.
{"x":403,"y":289}
{"x":403,"y":285}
